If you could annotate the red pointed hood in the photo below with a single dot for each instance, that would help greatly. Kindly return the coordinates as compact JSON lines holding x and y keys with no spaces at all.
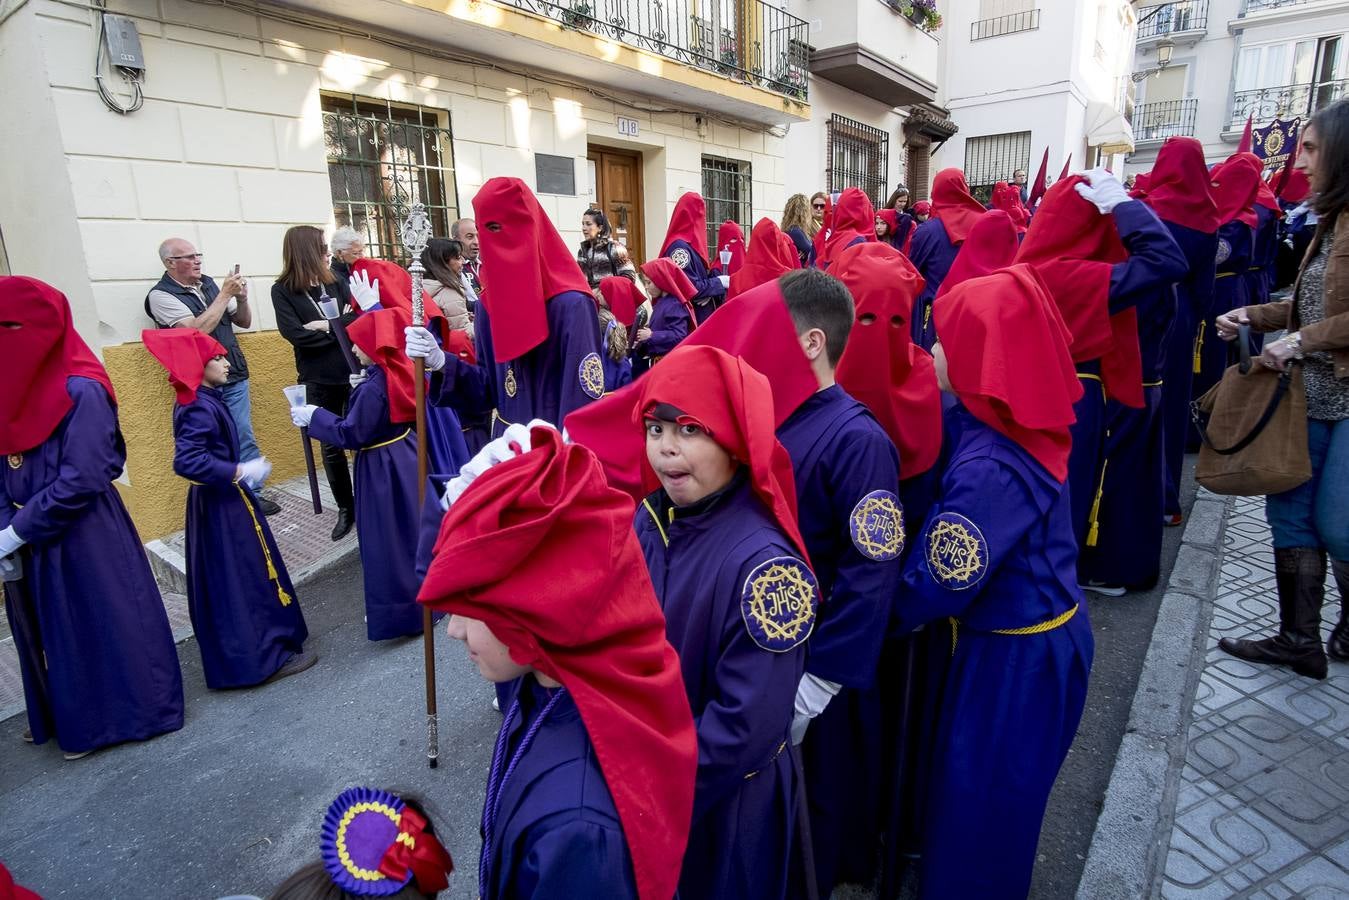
{"x":379,"y":334}
{"x":670,"y":279}
{"x":1178,"y":188}
{"x":881,"y":367}
{"x":854,"y":217}
{"x":1008,"y":199}
{"x":525,"y":263}
{"x":688,"y":224}
{"x":991,"y":245}
{"x":184,"y":353}
{"x":36,"y":358}
{"x":395,"y":292}
{"x":771,"y":255}
{"x":954,"y":205}
{"x":731,"y":237}
{"x":542,"y":551}
{"x":1236,"y":183}
{"x":622,"y":298}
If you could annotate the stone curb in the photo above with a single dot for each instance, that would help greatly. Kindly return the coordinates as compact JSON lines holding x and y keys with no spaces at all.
{"x":1128,"y":850}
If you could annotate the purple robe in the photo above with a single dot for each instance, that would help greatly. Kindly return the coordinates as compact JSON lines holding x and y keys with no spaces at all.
{"x":563,"y":373}
{"x":388,"y":504}
{"x":95,"y":650}
{"x":847,"y":476}
{"x":669,"y":325}
{"x":997,"y":553}
{"x":1231,"y":290}
{"x":708,"y":562}
{"x":932,"y":254}
{"x":244,"y":609}
{"x":711,"y":292}
{"x":555,"y":831}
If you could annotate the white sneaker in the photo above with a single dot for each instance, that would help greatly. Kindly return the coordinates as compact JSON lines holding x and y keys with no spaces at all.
{"x":496,"y":704}
{"x":1105,"y":590}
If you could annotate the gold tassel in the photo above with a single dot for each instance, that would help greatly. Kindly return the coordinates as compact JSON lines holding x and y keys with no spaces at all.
{"x":1198,"y":349}
{"x":1095,"y":531}
{"x":272,"y":574}
{"x":955,"y":633}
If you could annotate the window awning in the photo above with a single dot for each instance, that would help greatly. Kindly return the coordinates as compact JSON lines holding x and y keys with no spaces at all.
{"x":1108,"y":129}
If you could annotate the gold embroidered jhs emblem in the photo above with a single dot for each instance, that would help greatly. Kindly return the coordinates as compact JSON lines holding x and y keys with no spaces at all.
{"x":592,"y":376}
{"x":779,"y":602}
{"x":877,"y":524}
{"x":511,"y":386}
{"x":957,"y":555}
{"x":15,"y":460}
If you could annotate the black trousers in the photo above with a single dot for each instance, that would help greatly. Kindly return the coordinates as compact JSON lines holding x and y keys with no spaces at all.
{"x":334,"y":397}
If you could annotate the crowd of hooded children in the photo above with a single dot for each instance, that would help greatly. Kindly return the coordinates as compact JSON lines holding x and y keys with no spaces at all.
{"x":815,"y":539}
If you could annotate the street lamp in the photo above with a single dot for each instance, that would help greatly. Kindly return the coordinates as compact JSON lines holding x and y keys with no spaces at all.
{"x":1165,"y":48}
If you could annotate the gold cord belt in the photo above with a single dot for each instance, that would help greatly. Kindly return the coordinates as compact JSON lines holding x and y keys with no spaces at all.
{"x":1040,"y":628}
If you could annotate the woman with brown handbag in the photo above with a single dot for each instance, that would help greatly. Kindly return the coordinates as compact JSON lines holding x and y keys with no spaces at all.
{"x":1312,"y":520}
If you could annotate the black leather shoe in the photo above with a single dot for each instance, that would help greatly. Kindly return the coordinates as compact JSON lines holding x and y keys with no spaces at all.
{"x":344,"y":522}
{"x":268,"y":507}
{"x":1338,"y":645}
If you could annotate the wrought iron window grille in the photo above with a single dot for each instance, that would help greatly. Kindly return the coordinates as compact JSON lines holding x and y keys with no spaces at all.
{"x":993,"y":158}
{"x":998,"y":26}
{"x":727,"y":191}
{"x":858,"y":156}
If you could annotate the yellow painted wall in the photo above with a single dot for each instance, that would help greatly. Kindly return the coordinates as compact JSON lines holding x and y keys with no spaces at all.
{"x":156,"y":496}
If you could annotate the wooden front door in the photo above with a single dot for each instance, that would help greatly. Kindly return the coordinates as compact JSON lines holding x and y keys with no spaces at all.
{"x":618,"y":194}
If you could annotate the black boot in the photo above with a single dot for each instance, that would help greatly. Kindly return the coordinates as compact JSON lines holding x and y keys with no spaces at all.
{"x":345,"y":519}
{"x":1338,"y":645}
{"x":1300,"y":573}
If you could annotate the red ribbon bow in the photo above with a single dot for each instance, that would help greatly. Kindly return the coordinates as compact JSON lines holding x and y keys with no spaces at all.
{"x":418,"y":851}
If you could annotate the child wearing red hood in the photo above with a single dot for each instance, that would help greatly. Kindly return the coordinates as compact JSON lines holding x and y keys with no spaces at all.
{"x":685,"y":245}
{"x":592,"y":777}
{"x":672,"y":314}
{"x":244,"y":611}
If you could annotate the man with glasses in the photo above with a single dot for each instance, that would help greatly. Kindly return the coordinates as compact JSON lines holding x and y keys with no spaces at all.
{"x":185,"y":298}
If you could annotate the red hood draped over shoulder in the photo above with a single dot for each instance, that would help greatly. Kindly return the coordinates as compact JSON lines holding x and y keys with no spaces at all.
{"x":991,"y":245}
{"x":1178,"y":188}
{"x":755,"y":327}
{"x":1236,"y":184}
{"x":1264,"y":194}
{"x":542,"y":551}
{"x":1007,"y":360}
{"x":36,"y":358}
{"x":954,"y":205}
{"x":881,"y":367}
{"x":379,"y":334}
{"x":688,"y":224}
{"x":184,"y":353}
{"x":1008,"y":199}
{"x":670,"y":279}
{"x":525,"y":264}
{"x":731,"y":237}
{"x":771,"y":255}
{"x":622,"y":298}
{"x":1074,"y":248}
{"x":854,"y":217}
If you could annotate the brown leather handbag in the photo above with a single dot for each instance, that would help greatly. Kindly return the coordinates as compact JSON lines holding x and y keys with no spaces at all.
{"x":1253,"y":424}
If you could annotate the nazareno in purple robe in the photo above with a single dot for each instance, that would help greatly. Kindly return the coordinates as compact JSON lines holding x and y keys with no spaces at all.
{"x":706,"y":561}
{"x":95,"y":650}
{"x":711,"y":292}
{"x":244,"y":609}
{"x":847,"y":475}
{"x":1194,"y":294}
{"x":388,"y":504}
{"x":669,"y":325}
{"x":563,"y":373}
{"x":1231,"y":290}
{"x":555,"y":831}
{"x":997,"y":555}
{"x":932,"y":254}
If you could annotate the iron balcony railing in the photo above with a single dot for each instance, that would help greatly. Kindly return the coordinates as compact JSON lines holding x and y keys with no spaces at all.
{"x":1168,"y":118}
{"x":989,"y":28}
{"x":1169,"y":18}
{"x":751,"y":41}
{"x":1253,"y":6}
{"x":1286,"y":102}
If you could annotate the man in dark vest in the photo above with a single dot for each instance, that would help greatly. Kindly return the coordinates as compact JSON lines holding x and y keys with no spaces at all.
{"x":186,"y":298}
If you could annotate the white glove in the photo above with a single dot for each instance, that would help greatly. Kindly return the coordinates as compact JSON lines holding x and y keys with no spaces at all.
{"x":725,"y":281}
{"x":301,"y":415}
{"x":254,"y":472}
{"x":9,"y":568}
{"x":356,"y":380}
{"x":1106,"y":191}
{"x":497,"y":451}
{"x":10,"y":541}
{"x":812,"y":696}
{"x":364,"y":291}
{"x":420,"y":343}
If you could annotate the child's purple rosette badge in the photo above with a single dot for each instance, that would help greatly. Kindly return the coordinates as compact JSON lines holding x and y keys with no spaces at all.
{"x":360,"y":826}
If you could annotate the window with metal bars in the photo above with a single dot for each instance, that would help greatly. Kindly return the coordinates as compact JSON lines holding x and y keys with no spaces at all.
{"x":382,"y":157}
{"x":993,"y":158}
{"x":727,"y":193}
{"x":858,"y":157}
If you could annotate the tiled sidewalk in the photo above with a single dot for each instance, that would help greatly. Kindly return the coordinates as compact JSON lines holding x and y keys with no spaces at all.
{"x":1263,"y":803}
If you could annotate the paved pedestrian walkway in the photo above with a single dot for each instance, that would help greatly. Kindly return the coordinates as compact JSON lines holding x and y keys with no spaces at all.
{"x":1262,"y":808}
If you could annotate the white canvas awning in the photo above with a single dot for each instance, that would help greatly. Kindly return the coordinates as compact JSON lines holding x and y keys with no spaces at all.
{"x":1108,"y":129}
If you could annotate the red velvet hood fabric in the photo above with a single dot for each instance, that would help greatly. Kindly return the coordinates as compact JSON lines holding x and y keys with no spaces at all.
{"x":1178,"y":187}
{"x":1008,"y":199}
{"x":731,"y":237}
{"x":1073,"y":247}
{"x":1236,"y":184}
{"x":733,"y":403}
{"x":622,"y":298}
{"x":771,"y":255}
{"x":854,"y":217}
{"x":670,"y":279}
{"x":891,"y":219}
{"x":688,"y":224}
{"x":1007,"y":360}
{"x":991,"y":245}
{"x":881,"y":367}
{"x":184,"y":353}
{"x":11,"y":891}
{"x":395,"y":292}
{"x":1295,"y":187}
{"x":954,"y":205}
{"x":755,"y":327}
{"x":379,"y":334}
{"x":525,"y":263}
{"x":542,"y":551}
{"x":36,"y":359}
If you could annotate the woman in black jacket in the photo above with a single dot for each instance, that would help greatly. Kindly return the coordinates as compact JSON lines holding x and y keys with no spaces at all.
{"x":305,"y":279}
